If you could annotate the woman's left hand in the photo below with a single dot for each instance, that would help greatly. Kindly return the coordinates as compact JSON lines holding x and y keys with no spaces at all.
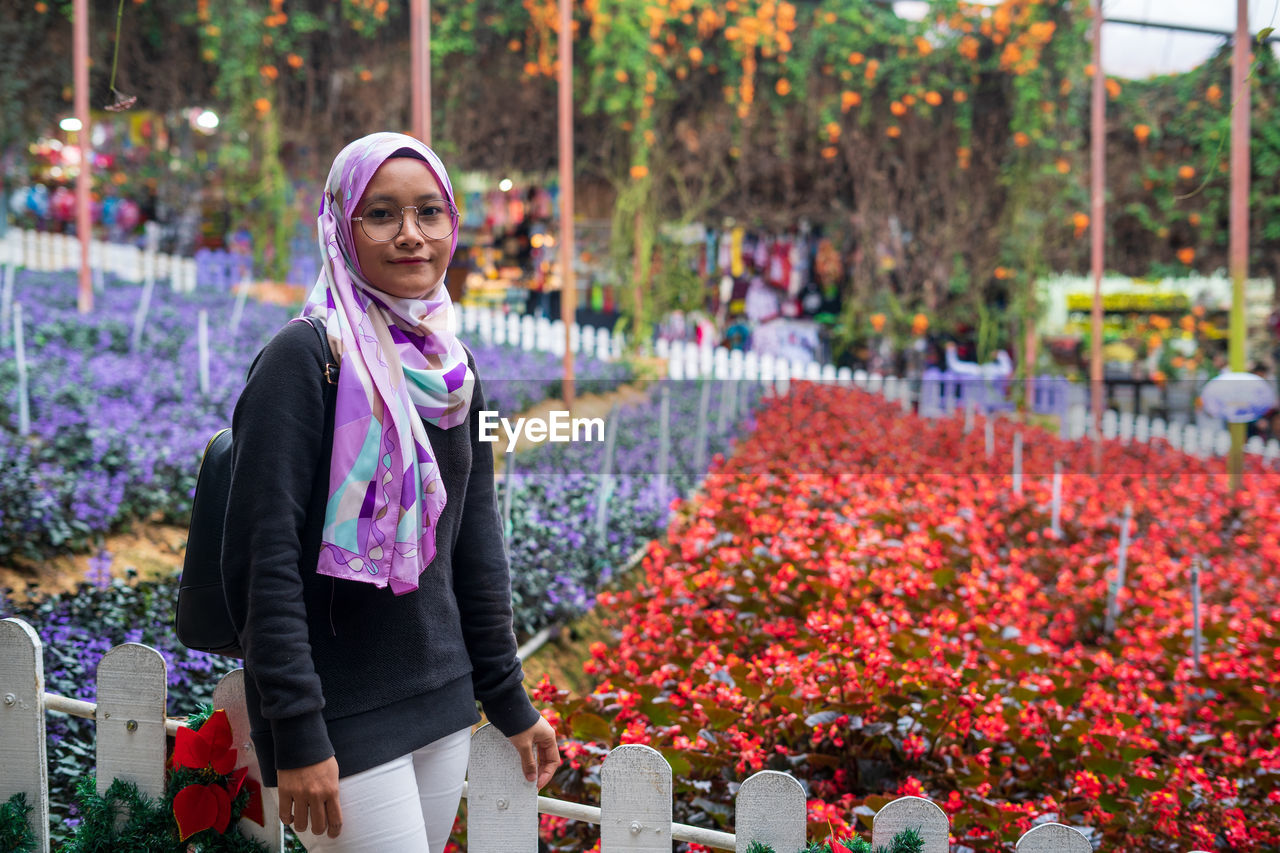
{"x":539,"y":754}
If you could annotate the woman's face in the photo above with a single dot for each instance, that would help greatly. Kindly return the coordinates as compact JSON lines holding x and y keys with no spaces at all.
{"x":411,"y":265}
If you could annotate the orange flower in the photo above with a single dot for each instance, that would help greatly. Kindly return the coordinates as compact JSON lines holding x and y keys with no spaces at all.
{"x":919,"y":324}
{"x":855,"y":58}
{"x":366,"y":75}
{"x":968,"y":48}
{"x":1194,"y":219}
{"x":1113,"y":88}
{"x":42,"y":8}
{"x":1186,"y":255}
{"x":513,"y":45}
{"x":262,"y":105}
{"x":830,"y":152}
{"x":962,"y":157}
{"x":1214,"y":94}
{"x":1081,"y":221}
{"x":897,"y":108}
{"x":1063,"y":165}
{"x":1003,"y":273}
{"x":294,"y":60}
{"x":872,"y":67}
{"x":833,"y":131}
{"x":1186,"y":173}
{"x":269,"y":71}
{"x":1021,"y":140}
{"x":783,"y":87}
{"x":877,"y":322}
{"x":922,"y":45}
{"x":894,"y":131}
{"x":639,"y":171}
{"x":695,"y":54}
{"x":932,"y":98}
{"x":620,"y":75}
{"x":960,"y":96}
{"x":1141,"y":132}
{"x":849,"y":100}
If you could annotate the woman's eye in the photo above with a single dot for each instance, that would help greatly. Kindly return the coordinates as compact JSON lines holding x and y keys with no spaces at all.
{"x":379,"y":213}
{"x":431,"y":210}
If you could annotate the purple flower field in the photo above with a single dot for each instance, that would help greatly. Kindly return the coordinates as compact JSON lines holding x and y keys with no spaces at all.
{"x":116,"y":435}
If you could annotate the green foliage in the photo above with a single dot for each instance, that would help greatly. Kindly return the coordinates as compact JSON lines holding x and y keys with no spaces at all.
{"x":907,"y":841}
{"x":16,"y":835}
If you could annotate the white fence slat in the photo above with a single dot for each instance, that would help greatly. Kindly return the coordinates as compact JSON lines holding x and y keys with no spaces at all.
{"x":1053,"y":838}
{"x":912,"y":813}
{"x":770,"y":808}
{"x":229,"y":696}
{"x":22,"y":734}
{"x":131,"y":713}
{"x":635,"y":801}
{"x":502,"y":806}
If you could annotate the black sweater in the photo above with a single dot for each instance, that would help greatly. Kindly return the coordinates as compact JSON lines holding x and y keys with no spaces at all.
{"x":339,"y":667}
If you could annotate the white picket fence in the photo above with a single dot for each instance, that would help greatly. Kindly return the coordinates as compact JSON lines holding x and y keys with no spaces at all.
{"x":539,"y":334}
{"x":635,"y":812}
{"x":1205,"y":438}
{"x":48,"y":252}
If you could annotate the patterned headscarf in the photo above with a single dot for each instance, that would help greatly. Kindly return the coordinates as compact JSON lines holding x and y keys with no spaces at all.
{"x":400,"y":364}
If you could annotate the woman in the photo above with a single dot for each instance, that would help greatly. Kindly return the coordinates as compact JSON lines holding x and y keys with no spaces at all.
{"x":363,"y":558}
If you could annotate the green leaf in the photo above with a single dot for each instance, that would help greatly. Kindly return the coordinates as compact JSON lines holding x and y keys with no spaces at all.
{"x":589,"y":726}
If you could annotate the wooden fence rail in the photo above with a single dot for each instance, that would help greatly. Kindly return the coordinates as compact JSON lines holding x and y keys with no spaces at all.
{"x":635,"y":813}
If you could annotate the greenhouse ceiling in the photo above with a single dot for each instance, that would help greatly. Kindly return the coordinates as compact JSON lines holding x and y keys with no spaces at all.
{"x":1142,"y":38}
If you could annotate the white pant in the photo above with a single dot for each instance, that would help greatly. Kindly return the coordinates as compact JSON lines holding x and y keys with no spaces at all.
{"x":407,"y":805}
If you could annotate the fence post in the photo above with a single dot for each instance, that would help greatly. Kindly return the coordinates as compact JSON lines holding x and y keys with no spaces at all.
{"x":502,"y":806}
{"x":229,"y":696}
{"x":22,"y":735}
{"x":912,"y":813}
{"x":1053,"y":838}
{"x":770,"y":808}
{"x":635,"y":801}
{"x":131,"y":714}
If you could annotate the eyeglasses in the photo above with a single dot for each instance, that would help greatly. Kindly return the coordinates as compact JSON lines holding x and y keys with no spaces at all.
{"x":382,"y":222}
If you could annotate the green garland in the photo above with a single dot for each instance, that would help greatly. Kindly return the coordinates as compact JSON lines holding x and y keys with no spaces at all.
{"x":907,"y":841}
{"x":149,"y":823}
{"x":15,"y":828}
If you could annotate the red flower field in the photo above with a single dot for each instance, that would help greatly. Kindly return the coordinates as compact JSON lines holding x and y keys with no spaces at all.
{"x":860,"y":598}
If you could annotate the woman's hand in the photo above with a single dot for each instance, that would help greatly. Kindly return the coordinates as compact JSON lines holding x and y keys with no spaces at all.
{"x":539,"y":754}
{"x":313,"y":791}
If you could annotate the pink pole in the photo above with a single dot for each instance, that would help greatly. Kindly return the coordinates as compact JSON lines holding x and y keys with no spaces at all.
{"x":80,"y":70}
{"x":1097,"y":222}
{"x":420,"y":67}
{"x":568,"y":285}
{"x":1238,"y":246}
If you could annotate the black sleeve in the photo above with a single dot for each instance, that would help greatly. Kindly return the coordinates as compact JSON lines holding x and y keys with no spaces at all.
{"x":277,"y":436}
{"x":482,"y":585}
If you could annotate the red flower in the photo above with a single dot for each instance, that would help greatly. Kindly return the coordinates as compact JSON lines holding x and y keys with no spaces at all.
{"x":209,"y":747}
{"x":201,"y":807}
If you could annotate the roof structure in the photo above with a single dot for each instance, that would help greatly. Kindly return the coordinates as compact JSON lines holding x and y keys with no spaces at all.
{"x":1144,"y":38}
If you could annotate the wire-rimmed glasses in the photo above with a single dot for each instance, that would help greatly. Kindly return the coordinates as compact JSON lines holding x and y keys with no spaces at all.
{"x":381,"y":222}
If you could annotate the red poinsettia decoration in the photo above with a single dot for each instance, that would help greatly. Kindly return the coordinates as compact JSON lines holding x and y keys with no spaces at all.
{"x":198,"y":807}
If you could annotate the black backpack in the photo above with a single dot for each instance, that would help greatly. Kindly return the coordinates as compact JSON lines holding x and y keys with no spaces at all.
{"x":202,"y":619}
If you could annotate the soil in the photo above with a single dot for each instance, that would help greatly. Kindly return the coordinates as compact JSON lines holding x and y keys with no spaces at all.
{"x":154,"y":550}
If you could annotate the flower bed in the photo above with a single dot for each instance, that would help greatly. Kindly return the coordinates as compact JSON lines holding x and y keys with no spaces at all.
{"x":116,"y":435}
{"x":861,"y":600}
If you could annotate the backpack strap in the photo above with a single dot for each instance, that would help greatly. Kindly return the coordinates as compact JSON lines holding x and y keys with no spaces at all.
{"x":330,"y":366}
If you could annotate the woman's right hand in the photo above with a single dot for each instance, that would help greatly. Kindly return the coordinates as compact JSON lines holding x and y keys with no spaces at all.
{"x":311,"y":792}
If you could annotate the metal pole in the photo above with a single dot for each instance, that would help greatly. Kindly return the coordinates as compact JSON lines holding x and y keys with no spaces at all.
{"x":80,"y":69}
{"x":1239,"y":239}
{"x":1098,"y":142}
{"x":568,"y":285}
{"x":420,"y":67}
